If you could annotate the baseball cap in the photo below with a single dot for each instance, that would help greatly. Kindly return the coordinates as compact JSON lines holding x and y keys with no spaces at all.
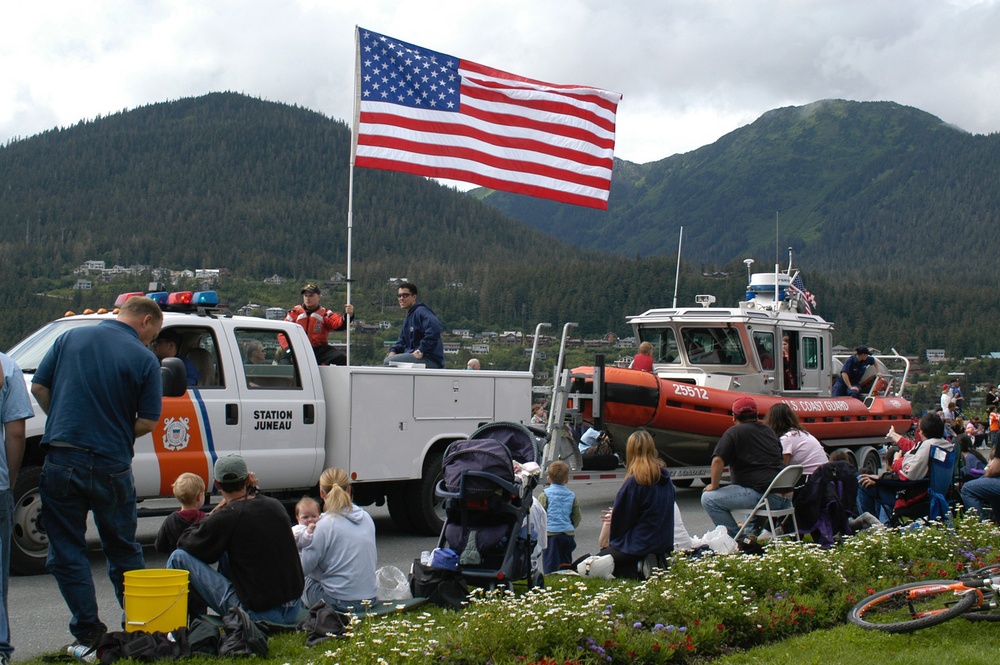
{"x":861,"y":348}
{"x":744,"y":406}
{"x":230,"y":468}
{"x":311,"y":288}
{"x":947,"y":385}
{"x":169,"y":335}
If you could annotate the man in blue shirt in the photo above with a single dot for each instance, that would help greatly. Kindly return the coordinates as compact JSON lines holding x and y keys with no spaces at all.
{"x":100,"y":386}
{"x":849,"y":381}
{"x":420,"y":339}
{"x":15,"y":408}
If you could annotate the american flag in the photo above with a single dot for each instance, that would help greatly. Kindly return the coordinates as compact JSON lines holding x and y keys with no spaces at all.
{"x":808,"y":300}
{"x":436,"y":115}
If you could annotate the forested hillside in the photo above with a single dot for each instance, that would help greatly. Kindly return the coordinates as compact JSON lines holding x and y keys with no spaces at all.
{"x":875,"y":190}
{"x":260,"y":188}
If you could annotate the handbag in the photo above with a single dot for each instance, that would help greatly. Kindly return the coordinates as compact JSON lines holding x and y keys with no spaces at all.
{"x":323,"y":623}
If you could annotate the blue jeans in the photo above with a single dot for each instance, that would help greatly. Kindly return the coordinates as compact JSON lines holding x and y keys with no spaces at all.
{"x":74,"y":483}
{"x":720,"y":503}
{"x":876,"y":500}
{"x":216,"y":590}
{"x":976,"y":492}
{"x":410,"y":358}
{"x":558,"y":551}
{"x":6,"y":524}
{"x":315,"y":592}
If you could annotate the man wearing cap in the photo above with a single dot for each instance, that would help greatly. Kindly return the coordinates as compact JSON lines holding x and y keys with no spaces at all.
{"x":947,"y":398}
{"x":420,"y":339}
{"x":250,"y":536}
{"x":752,"y":451}
{"x":848,"y":383}
{"x":167,"y":345}
{"x":319,"y":322}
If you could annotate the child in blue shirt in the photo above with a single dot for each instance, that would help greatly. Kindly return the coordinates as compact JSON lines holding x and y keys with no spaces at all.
{"x":563,"y":515}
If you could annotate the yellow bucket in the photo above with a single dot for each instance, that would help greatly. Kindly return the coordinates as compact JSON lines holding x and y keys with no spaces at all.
{"x":155,"y":600}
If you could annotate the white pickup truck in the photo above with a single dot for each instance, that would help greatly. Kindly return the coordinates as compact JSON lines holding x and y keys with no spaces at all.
{"x":387,"y":426}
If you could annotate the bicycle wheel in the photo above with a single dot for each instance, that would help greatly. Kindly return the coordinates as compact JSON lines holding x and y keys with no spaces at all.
{"x":988,"y":571}
{"x":909,"y":607}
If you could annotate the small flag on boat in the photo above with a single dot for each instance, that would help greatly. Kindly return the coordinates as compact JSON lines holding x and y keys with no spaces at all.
{"x":436,"y":115}
{"x":807,"y":299}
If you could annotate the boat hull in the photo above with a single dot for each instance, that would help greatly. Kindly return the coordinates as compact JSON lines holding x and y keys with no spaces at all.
{"x":687,"y":420}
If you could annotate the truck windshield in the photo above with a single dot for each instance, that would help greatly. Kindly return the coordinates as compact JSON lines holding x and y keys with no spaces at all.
{"x":30,"y":351}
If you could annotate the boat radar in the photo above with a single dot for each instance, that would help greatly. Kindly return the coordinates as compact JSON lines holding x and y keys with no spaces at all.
{"x":771,"y":291}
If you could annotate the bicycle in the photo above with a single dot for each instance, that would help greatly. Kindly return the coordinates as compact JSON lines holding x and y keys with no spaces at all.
{"x":909,"y":607}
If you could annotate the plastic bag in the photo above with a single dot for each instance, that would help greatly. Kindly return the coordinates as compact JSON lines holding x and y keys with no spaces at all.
{"x":602,"y":567}
{"x":718,"y":539}
{"x":392,"y":584}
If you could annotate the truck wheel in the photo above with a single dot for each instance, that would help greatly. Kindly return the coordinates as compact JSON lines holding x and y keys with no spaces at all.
{"x":399,"y":509}
{"x":427,"y":510}
{"x":683,"y":482}
{"x":869,"y":461}
{"x":29,"y":543}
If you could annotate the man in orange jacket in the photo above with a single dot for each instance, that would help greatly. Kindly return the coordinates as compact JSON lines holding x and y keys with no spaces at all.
{"x":319,"y":322}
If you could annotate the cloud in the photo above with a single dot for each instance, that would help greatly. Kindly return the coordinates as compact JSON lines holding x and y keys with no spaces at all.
{"x":690,"y":70}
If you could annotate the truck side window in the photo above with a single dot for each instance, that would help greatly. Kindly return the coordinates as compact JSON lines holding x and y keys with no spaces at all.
{"x":268,"y":360}
{"x":199,"y":348}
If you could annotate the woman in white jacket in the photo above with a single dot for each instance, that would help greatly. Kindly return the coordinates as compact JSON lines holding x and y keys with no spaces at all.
{"x":339,"y":564}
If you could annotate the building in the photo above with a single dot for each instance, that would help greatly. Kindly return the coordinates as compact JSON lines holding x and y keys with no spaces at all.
{"x":935,"y":355}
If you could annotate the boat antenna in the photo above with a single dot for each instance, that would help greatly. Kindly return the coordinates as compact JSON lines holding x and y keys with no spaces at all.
{"x":775,"y":236}
{"x":677,"y":275}
{"x":748,"y":263}
{"x":789,"y":260}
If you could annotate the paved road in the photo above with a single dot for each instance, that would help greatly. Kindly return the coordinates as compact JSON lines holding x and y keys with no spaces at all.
{"x":39,"y":616}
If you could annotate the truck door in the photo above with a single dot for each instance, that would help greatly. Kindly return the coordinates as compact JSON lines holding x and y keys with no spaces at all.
{"x":193,"y":429}
{"x":280,"y":414}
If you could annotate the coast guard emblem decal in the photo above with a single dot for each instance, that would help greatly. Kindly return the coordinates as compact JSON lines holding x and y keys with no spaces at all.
{"x":175,"y":435}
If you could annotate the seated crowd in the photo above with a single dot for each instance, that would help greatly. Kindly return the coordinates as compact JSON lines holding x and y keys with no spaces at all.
{"x":246,"y":553}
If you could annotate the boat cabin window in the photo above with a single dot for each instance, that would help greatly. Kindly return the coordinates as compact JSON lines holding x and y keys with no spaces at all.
{"x":664,"y":344}
{"x":810,"y":352}
{"x":764,"y":342}
{"x":713,"y":346}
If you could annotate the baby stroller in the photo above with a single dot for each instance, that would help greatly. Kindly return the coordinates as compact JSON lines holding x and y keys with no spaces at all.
{"x":488,"y":507}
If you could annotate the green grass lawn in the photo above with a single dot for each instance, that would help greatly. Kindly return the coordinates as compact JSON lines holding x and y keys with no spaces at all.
{"x":955,"y":641}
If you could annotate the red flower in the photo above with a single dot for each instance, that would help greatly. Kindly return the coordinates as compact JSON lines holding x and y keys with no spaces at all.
{"x":656,"y":646}
{"x":720,"y":627}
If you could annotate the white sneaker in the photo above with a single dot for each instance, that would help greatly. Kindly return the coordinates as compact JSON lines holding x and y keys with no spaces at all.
{"x":764,"y":536}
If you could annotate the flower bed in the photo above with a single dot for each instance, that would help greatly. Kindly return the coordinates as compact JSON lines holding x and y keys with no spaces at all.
{"x":697,"y":607}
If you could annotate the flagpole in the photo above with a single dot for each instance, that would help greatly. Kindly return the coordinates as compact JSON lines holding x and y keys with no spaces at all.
{"x":350,"y":177}
{"x":677,"y":274}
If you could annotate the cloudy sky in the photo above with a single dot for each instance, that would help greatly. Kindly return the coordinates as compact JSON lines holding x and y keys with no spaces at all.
{"x":690,"y":70}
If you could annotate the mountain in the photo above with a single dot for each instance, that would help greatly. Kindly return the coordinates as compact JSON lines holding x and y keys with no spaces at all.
{"x":889,"y":210}
{"x":855,"y":187}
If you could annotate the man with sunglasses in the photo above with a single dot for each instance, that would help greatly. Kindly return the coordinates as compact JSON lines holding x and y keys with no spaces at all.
{"x":420,"y":339}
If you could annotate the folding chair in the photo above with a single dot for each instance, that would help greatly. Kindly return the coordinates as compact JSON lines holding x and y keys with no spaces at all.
{"x":940,"y":481}
{"x":783,"y":483}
